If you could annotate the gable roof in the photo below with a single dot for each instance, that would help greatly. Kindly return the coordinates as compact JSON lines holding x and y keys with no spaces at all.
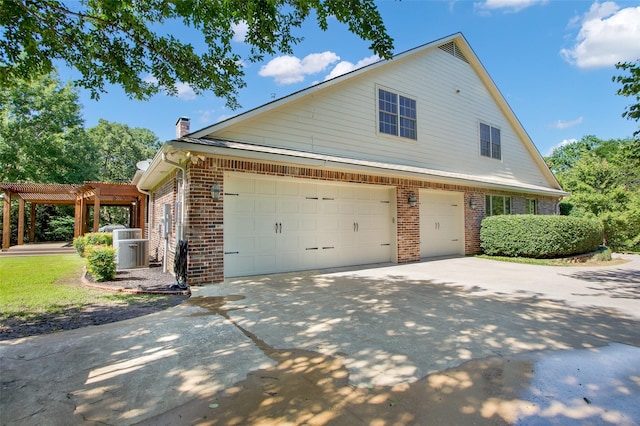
{"x":455,"y":44}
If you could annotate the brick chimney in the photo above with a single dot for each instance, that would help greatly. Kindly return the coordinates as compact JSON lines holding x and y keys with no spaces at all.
{"x":182,"y":127}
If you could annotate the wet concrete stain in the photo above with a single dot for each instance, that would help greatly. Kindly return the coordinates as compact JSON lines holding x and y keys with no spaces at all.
{"x":308,"y":388}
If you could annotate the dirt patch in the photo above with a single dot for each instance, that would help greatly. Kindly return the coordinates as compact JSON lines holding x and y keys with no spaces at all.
{"x":111,"y":310}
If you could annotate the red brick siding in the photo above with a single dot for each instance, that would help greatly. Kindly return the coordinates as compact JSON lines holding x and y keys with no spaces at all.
{"x":164,"y":193}
{"x":205,"y":224}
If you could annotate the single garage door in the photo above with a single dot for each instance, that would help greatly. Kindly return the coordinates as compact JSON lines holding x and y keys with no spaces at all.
{"x":280,"y":224}
{"x":441,"y":223}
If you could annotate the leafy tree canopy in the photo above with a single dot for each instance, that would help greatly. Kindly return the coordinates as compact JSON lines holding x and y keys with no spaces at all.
{"x":630,"y":87}
{"x":121,"y":42}
{"x":42,"y":137}
{"x":120,"y":147}
{"x":603,"y":177}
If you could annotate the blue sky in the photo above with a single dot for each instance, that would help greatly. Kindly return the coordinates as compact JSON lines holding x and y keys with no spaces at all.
{"x":552,"y":60}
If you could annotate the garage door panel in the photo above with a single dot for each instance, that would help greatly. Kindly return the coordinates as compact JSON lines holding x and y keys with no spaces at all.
{"x":265,"y":187}
{"x":286,"y":187}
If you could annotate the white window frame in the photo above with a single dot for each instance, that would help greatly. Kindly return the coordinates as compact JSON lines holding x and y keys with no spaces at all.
{"x":396,"y":114}
{"x":494,"y":148}
{"x":529,"y":203}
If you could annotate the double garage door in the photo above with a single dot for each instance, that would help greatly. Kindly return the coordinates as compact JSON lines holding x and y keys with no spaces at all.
{"x":282,"y":224}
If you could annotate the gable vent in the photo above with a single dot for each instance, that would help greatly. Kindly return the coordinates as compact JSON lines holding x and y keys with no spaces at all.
{"x":453,"y":50}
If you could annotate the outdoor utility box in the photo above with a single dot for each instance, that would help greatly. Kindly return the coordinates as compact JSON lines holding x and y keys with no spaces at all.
{"x":126,"y":234}
{"x":133,"y":253}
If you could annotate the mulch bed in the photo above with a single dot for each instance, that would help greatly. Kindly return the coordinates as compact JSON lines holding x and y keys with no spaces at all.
{"x":144,"y":280}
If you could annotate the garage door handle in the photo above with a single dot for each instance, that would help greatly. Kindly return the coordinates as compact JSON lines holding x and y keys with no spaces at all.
{"x":387,"y":244}
{"x":311,"y":248}
{"x":325,"y":248}
{"x":231,"y":252}
{"x":280,"y":225}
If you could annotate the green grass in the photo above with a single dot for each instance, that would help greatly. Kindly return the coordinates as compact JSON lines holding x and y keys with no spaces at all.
{"x":36,"y":285}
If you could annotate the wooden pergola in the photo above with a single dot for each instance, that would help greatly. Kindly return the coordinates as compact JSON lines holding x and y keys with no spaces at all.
{"x":84,"y":196}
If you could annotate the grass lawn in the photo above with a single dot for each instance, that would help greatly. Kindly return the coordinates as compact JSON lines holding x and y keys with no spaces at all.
{"x":36,"y":285}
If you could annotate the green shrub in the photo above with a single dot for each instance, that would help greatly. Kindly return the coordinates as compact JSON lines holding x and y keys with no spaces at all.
{"x":79,"y":243}
{"x":101,"y":262}
{"x":99,"y":239}
{"x":61,"y":228}
{"x":539,"y":236}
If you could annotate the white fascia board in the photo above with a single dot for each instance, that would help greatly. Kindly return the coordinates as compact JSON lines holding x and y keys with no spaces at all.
{"x":342,"y":164}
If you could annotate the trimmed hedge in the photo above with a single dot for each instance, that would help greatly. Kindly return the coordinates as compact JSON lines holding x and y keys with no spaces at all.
{"x":92,"y":239}
{"x":101,"y":262}
{"x":539,"y":236}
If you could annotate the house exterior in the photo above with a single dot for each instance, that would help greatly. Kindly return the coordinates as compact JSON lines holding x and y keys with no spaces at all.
{"x":393,"y":162}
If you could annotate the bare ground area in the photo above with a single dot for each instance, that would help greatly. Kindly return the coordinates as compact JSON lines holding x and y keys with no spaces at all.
{"x":111,"y":310}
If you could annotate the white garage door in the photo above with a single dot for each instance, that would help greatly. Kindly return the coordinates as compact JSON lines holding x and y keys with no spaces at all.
{"x":441,"y":223}
{"x":279,"y":224}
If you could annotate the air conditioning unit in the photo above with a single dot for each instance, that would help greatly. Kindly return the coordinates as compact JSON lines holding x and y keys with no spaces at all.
{"x":133,"y":253}
{"x":126,"y":234}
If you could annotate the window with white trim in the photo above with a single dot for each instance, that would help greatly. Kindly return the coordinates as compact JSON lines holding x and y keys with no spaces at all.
{"x":531,"y":206}
{"x":497,"y":204}
{"x":490,"y":142}
{"x":397,"y":115}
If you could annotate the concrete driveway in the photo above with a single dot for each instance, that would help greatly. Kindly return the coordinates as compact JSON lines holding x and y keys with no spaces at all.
{"x":461,"y":340}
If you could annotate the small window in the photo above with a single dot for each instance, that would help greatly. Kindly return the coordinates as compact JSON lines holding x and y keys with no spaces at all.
{"x":397,"y":115}
{"x":490,"y":141}
{"x":531,"y":206}
{"x":497,"y":204}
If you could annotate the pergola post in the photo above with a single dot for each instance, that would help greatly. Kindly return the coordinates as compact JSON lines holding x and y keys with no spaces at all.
{"x":20,"y":221}
{"x":96,"y":210}
{"x":32,"y":224}
{"x":77,"y":230}
{"x":6,"y":221}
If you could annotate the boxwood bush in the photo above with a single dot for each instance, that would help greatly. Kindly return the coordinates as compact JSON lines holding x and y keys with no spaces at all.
{"x":101,"y":262}
{"x":92,"y":239}
{"x":539,"y":236}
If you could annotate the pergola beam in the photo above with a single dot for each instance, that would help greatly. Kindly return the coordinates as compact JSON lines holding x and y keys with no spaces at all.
{"x":82,"y":196}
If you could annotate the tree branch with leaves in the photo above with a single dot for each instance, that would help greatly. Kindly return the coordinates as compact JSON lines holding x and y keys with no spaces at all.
{"x":123,"y":42}
{"x":630,"y":87}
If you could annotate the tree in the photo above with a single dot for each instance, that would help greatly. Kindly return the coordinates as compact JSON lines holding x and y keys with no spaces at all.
{"x":603,"y":178}
{"x":41,"y":133}
{"x":630,"y":87}
{"x":120,"y":42}
{"x":120,"y":147}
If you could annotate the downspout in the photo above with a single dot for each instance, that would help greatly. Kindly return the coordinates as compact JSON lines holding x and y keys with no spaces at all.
{"x":180,"y":233}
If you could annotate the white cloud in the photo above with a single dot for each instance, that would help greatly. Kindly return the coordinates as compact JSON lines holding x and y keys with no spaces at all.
{"x":507,"y":5}
{"x":239,"y":31}
{"x":344,"y":67}
{"x":607,"y":35}
{"x":561,"y":144}
{"x":567,"y":124}
{"x":185,"y":92}
{"x":290,"y":69}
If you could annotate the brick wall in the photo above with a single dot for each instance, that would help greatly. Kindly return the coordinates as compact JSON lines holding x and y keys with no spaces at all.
{"x":204,"y":227}
{"x":204,"y":216}
{"x":408,"y":222}
{"x":162,"y":194}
